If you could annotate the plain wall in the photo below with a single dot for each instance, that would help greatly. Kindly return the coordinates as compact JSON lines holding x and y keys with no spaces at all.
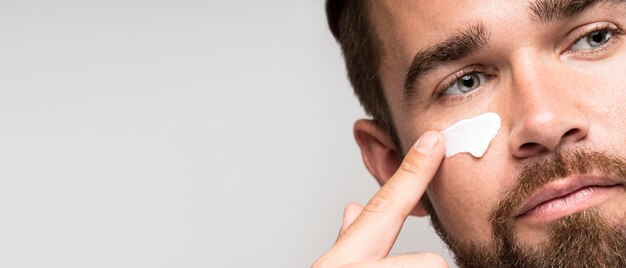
{"x":176,"y":134}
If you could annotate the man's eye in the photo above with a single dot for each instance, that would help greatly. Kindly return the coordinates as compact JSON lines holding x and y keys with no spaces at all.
{"x":465,"y":84}
{"x":592,"y":40}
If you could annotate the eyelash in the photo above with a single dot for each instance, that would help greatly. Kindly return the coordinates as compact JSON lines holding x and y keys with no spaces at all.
{"x":459,"y":97}
{"x":612,"y":29}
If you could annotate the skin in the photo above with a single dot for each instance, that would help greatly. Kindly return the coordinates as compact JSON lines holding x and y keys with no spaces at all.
{"x":549,"y":93}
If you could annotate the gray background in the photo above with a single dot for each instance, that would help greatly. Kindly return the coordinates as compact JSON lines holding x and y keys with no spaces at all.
{"x":176,"y":134}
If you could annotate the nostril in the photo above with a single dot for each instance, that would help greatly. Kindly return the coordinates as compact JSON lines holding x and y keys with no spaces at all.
{"x":529,"y":146}
{"x":571,"y":132}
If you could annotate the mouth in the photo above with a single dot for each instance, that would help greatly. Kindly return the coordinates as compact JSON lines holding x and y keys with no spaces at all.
{"x":566,"y":196}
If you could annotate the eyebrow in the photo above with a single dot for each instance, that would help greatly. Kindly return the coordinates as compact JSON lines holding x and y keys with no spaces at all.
{"x":546,"y":11}
{"x":467,"y":41}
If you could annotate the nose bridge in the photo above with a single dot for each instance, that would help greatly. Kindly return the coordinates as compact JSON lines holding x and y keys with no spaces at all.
{"x":544,"y":114}
{"x":534,"y":88}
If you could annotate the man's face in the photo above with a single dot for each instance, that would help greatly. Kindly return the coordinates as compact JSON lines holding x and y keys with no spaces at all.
{"x":555,"y":72}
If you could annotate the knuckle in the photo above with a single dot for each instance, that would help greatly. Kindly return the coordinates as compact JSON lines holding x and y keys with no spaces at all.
{"x":352,"y":208}
{"x":379,"y":204}
{"x":411,"y":167}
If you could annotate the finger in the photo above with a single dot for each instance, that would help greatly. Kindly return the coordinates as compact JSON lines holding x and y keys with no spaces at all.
{"x":373,"y":233}
{"x":350,"y":213}
{"x":406,"y":260}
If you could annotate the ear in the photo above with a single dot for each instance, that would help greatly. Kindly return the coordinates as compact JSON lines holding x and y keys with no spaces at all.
{"x":380,"y":155}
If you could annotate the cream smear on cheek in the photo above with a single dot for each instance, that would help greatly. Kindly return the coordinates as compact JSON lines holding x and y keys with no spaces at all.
{"x":471,"y":135}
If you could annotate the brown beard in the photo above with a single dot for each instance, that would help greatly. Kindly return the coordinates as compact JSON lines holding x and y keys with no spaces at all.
{"x":584,"y":239}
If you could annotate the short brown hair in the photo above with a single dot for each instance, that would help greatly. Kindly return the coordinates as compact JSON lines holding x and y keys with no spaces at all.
{"x":349,"y":21}
{"x":350,"y":24}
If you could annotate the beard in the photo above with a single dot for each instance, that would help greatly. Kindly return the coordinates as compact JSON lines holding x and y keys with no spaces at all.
{"x":583,"y":239}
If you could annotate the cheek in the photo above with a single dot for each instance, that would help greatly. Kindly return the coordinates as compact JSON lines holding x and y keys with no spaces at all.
{"x":465,"y":190}
{"x":602,"y":96}
{"x":614,"y":98}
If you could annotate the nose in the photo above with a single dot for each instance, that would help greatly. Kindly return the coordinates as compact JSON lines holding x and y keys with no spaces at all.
{"x":546,"y":112}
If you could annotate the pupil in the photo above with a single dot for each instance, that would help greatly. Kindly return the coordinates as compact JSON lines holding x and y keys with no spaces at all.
{"x":598,"y":37}
{"x":467,"y":81}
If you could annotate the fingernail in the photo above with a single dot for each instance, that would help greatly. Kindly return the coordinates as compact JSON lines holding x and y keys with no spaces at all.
{"x":427,"y":143}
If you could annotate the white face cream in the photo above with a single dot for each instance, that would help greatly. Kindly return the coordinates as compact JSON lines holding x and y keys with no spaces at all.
{"x":471,"y":135}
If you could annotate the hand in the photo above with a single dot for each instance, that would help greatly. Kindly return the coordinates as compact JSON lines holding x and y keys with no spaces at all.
{"x":368,"y":233}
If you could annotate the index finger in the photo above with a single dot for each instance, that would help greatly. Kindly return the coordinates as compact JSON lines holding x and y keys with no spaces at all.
{"x":374,"y":232}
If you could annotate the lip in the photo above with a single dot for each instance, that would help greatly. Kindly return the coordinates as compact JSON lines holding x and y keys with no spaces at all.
{"x":561,"y":189}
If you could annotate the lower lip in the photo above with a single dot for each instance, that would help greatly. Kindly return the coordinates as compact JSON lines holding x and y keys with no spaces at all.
{"x":577,"y":201}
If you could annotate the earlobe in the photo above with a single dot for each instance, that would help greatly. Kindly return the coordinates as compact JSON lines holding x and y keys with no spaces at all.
{"x":380,"y":156}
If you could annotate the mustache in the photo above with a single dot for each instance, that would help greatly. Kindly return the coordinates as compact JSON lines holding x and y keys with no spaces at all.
{"x":560,"y":164}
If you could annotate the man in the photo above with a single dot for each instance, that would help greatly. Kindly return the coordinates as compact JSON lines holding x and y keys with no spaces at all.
{"x":549,"y":190}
